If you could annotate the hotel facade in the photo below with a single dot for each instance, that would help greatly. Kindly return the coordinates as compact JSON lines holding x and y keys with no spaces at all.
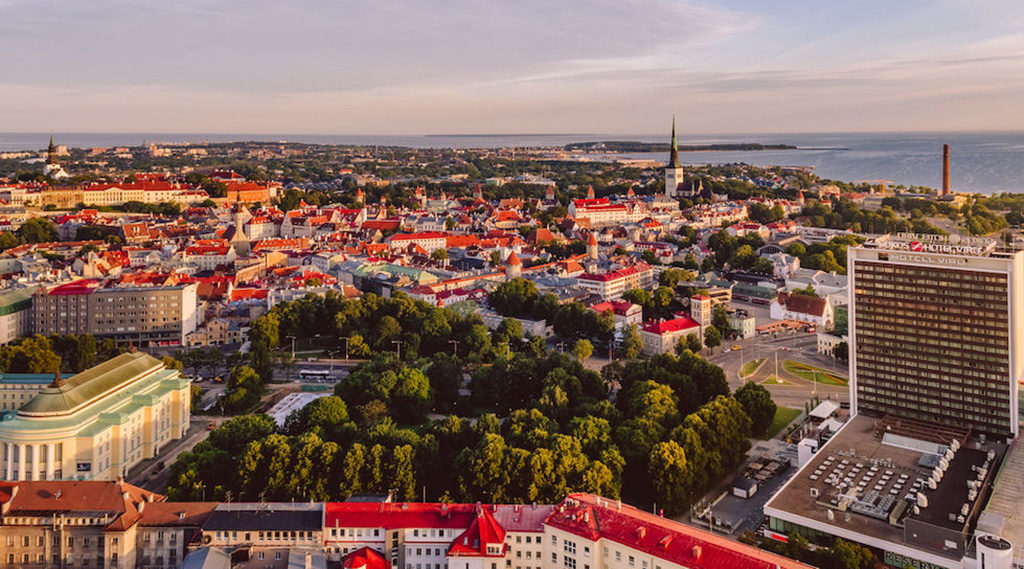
{"x":937,"y":333}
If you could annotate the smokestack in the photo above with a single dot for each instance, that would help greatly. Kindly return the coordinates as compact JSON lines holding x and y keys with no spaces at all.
{"x":945,"y":169}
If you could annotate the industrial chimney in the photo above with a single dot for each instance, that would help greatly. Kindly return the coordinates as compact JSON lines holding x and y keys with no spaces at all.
{"x":945,"y":169}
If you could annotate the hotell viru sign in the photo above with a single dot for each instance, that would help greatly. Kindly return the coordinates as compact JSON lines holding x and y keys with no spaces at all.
{"x":929,"y":243}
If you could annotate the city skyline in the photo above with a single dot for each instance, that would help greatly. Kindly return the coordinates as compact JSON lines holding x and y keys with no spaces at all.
{"x":410,"y":68}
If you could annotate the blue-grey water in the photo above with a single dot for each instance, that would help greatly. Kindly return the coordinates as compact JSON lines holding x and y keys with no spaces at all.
{"x":986,"y":162}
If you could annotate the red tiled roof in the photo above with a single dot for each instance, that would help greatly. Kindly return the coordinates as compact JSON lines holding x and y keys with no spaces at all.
{"x":418,"y":236}
{"x":249,"y":294}
{"x":591,"y":202}
{"x":802,"y":303}
{"x":620,"y":307}
{"x":364,"y":558}
{"x":594,"y":518}
{"x":621,"y":273}
{"x":397,"y":515}
{"x":484,"y":531}
{"x":83,"y":286}
{"x":668,"y":326}
{"x":82,"y":496}
{"x":169,"y":514}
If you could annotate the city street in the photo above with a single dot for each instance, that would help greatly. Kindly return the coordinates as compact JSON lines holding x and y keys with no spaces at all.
{"x":797,"y":346}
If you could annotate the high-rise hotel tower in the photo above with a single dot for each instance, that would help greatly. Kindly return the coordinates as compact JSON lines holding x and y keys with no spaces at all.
{"x":937,"y":331}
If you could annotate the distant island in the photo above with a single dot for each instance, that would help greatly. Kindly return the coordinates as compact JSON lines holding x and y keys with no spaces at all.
{"x":632,"y":146}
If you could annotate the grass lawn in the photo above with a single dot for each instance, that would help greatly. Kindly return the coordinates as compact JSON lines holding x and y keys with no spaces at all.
{"x":775,"y":380}
{"x":783,"y":417}
{"x":750,"y":367}
{"x":807,"y":372}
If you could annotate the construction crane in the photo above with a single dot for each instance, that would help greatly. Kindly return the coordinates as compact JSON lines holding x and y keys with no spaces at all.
{"x":881,"y":183}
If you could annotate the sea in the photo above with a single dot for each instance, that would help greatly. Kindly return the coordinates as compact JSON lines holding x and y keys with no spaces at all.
{"x":984,"y":162}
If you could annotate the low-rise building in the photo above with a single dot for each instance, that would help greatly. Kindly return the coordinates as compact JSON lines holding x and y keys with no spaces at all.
{"x":803,"y":307}
{"x":625,"y":313}
{"x":662,"y":337}
{"x":613,"y":284}
{"x":742,"y":323}
{"x":73,"y":524}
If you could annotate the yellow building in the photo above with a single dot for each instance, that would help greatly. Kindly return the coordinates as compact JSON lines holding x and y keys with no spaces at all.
{"x":98,"y":424}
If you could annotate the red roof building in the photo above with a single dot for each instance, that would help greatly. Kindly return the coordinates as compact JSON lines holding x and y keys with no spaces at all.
{"x":662,"y":336}
{"x":614,"y":528}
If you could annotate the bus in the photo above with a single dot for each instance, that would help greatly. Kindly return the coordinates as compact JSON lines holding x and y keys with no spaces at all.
{"x":314,"y":374}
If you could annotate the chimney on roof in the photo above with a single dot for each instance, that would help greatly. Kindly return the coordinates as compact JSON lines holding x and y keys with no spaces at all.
{"x":945,"y":169}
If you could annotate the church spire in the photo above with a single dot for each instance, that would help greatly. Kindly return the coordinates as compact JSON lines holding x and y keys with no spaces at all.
{"x":51,"y":152}
{"x":673,"y":161}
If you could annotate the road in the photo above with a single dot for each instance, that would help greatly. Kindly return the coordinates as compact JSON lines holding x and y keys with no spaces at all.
{"x":798,"y":346}
{"x":146,"y":475}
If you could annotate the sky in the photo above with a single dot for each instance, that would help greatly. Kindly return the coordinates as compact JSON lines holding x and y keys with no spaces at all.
{"x":522,"y":66}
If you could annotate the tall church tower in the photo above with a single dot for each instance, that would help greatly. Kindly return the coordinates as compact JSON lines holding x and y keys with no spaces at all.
{"x":673,"y":170}
{"x":52,"y":169}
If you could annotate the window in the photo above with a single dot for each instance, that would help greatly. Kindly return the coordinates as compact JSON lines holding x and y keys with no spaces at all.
{"x":554,"y":540}
{"x":277,"y":555}
{"x":260,"y":555}
{"x":569,"y":546}
{"x":618,"y":556}
{"x":554,"y":557}
{"x":569,"y":562}
{"x":586,"y":551}
{"x":25,"y":541}
{"x":631,"y":561}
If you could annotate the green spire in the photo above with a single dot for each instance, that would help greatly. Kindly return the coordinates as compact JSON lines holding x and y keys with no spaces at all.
{"x":673,"y":161}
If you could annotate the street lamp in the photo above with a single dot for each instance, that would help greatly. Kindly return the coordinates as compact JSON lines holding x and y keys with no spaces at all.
{"x":398,"y":346}
{"x":330,"y":355}
{"x":455,"y":347}
{"x":293,"y":345}
{"x":346,"y":347}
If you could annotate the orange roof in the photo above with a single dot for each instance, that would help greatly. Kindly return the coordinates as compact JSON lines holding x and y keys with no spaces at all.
{"x":82,"y":496}
{"x":168,"y":514}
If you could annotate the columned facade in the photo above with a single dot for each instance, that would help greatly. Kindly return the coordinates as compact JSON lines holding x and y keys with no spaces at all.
{"x":98,"y":424}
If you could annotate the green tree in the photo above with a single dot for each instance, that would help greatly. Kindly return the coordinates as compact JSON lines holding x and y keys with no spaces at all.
{"x":758,"y":405}
{"x":515,"y":297}
{"x":669,"y":471}
{"x":482,"y":470}
{"x":841,"y":351}
{"x":720,"y":320}
{"x":583,"y":349}
{"x":411,"y":398}
{"x":8,"y":240}
{"x":509,"y":331}
{"x":712,"y":337}
{"x":38,"y":230}
{"x":693,"y":343}
{"x":33,"y":354}
{"x":632,"y":345}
